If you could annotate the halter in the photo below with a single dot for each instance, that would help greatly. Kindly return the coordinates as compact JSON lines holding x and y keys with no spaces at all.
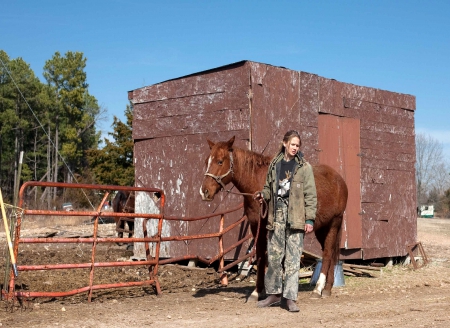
{"x":218,"y":178}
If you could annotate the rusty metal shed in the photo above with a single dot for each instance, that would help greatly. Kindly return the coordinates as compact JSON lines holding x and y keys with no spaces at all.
{"x":366,"y":134}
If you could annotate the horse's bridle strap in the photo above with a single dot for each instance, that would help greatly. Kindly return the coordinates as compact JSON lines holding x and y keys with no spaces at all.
{"x":218,"y":178}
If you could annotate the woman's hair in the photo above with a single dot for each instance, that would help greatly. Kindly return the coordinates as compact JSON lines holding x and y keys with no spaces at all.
{"x":288,"y":137}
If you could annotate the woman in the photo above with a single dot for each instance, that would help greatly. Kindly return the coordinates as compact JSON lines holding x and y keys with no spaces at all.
{"x":290,"y":193}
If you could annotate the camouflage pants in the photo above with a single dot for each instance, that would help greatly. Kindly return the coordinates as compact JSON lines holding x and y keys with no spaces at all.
{"x":286,"y":243}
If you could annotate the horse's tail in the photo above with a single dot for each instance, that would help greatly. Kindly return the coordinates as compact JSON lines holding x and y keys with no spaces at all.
{"x":337,"y":243}
{"x":343,"y":192}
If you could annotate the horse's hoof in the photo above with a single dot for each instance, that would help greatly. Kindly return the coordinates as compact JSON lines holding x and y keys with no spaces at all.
{"x":253,"y":297}
{"x":326,"y":293}
{"x":315,"y":295}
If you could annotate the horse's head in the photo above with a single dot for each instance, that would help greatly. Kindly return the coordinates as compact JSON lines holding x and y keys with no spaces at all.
{"x":219,"y":168}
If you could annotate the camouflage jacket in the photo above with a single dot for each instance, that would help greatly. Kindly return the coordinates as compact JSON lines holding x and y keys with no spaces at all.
{"x":302,"y":194}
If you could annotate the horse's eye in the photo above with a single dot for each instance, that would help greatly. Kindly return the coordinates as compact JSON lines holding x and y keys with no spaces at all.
{"x":220,"y":162}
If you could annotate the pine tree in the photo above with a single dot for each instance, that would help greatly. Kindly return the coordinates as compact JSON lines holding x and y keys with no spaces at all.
{"x":71,"y":118}
{"x":113,"y":164}
{"x":20,"y":90}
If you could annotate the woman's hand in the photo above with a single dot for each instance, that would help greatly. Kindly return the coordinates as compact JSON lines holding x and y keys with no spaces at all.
{"x":308,"y":228}
{"x":258,"y":197}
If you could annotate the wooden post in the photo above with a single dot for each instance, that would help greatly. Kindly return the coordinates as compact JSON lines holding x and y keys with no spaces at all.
{"x":12,"y":223}
{"x":8,"y":238}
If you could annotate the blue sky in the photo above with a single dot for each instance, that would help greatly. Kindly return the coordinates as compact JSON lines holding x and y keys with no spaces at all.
{"x":401,"y":46}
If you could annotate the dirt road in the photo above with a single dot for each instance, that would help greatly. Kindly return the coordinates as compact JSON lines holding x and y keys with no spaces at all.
{"x":399,"y":297}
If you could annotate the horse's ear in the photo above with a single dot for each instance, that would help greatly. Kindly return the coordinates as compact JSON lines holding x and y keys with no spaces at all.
{"x":210,"y":143}
{"x":230,"y":143}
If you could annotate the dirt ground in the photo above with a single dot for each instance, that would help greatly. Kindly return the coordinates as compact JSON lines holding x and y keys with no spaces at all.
{"x":399,"y":297}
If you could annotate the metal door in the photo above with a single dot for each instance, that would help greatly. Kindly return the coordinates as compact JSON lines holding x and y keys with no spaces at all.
{"x":339,"y":144}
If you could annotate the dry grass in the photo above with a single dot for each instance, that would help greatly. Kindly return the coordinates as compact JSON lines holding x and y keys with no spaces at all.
{"x":37,"y":221}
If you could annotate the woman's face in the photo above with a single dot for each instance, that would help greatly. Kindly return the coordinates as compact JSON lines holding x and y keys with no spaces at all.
{"x":292,"y":147}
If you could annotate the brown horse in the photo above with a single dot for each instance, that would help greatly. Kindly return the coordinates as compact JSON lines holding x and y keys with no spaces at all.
{"x":123,"y":202}
{"x":247,"y":171}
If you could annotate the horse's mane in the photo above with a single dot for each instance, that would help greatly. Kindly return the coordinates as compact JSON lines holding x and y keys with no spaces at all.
{"x":251,"y":159}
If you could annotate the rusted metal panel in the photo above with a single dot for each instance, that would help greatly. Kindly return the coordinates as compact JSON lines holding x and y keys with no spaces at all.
{"x":395,"y":192}
{"x":214,"y":99}
{"x":403,"y":196}
{"x":274,"y":105}
{"x":375,"y":233}
{"x":376,"y":212}
{"x":310,"y":143}
{"x":330,"y":142}
{"x":360,"y":104}
{"x":385,"y":128}
{"x":352,"y":167}
{"x":374,"y":193}
{"x":382,"y":154}
{"x":188,"y":106}
{"x":385,"y":164}
{"x":309,"y":111}
{"x":397,"y":116}
{"x":376,"y":252}
{"x":398,"y":147}
{"x":359,"y":92}
{"x":221,"y":120}
{"x":372,"y":112}
{"x":330,"y":97}
{"x":394,"y":234}
{"x":394,"y":99}
{"x":400,"y":161}
{"x":371,"y":175}
{"x":208,"y":82}
{"x":371,"y":134}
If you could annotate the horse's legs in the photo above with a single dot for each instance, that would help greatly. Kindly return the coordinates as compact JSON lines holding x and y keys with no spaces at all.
{"x":119,"y":226}
{"x":130,"y":246}
{"x":328,"y":264}
{"x":130,"y":228}
{"x":320,"y":284}
{"x":261,"y":248}
{"x":261,"y":261}
{"x":330,"y":257}
{"x":335,"y":240}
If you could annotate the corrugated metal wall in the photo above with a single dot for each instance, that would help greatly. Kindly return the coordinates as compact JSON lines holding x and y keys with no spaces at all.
{"x":258,"y":103}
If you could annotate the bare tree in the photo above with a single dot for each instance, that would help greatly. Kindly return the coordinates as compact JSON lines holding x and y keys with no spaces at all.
{"x":442,"y":178}
{"x":432,"y":171}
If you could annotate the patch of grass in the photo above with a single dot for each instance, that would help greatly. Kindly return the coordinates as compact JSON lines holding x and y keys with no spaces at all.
{"x":35,"y":221}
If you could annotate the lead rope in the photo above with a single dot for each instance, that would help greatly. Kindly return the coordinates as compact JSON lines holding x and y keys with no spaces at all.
{"x":263,"y":207}
{"x":262,"y":212}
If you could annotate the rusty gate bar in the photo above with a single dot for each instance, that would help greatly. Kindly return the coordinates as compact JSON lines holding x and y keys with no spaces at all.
{"x":223,"y":276}
{"x":219,"y":235}
{"x":153,"y":263}
{"x":83,"y":289}
{"x":94,"y":247}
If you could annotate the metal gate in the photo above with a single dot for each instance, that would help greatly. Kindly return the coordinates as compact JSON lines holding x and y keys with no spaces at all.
{"x":152,"y":262}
